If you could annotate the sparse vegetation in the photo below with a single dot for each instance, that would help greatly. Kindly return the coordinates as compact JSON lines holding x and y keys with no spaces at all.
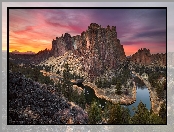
{"x":111,"y":114}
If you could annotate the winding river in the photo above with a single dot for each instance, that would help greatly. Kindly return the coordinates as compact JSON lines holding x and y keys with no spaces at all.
{"x":142,"y":94}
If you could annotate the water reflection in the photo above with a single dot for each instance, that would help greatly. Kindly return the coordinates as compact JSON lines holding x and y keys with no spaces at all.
{"x":141,"y":87}
{"x":142,"y":94}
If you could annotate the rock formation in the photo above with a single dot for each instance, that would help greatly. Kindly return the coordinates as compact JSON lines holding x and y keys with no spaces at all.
{"x":99,"y":47}
{"x":143,"y":56}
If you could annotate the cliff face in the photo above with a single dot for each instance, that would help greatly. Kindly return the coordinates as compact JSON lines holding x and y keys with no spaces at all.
{"x":143,"y":56}
{"x":99,"y":47}
{"x":62,"y":44}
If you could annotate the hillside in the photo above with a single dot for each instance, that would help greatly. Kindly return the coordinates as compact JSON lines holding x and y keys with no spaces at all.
{"x":33,"y":103}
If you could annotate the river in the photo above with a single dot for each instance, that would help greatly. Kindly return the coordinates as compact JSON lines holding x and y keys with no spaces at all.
{"x":142,"y":94}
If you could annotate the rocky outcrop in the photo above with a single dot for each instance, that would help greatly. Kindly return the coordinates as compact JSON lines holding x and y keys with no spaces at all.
{"x":99,"y":46}
{"x":33,"y":103}
{"x":143,"y":56}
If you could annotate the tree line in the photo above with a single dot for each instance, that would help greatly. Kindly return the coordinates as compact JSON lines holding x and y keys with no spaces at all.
{"x":117,"y":114}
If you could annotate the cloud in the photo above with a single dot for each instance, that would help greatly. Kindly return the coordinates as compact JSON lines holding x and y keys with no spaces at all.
{"x":23,"y":31}
{"x":35,"y":28}
{"x":157,"y":36}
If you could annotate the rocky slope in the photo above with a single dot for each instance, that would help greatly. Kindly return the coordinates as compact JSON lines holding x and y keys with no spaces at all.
{"x":75,"y":63}
{"x":32,"y":103}
{"x":143,"y":56}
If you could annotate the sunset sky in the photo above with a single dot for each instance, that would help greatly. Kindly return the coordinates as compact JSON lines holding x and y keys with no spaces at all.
{"x":34,"y":29}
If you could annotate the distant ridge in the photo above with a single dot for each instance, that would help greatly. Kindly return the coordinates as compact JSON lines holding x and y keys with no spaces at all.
{"x":17,"y":52}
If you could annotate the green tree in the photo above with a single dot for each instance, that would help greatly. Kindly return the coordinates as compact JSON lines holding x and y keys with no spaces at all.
{"x":125,"y":115}
{"x":104,"y":83}
{"x":116,"y":114}
{"x":94,"y":113}
{"x":81,"y":100}
{"x":114,"y":81}
{"x":155,"y":119}
{"x":141,"y":116}
{"x":66,"y":84}
{"x":45,"y":79}
{"x":118,"y":87}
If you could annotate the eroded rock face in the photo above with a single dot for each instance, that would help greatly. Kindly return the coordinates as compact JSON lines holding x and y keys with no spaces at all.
{"x":99,"y":46}
{"x":62,"y":44}
{"x":143,"y":56}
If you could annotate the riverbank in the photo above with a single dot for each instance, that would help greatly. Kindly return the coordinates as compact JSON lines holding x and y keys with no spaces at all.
{"x":79,"y":89}
{"x":111,"y":96}
{"x":155,"y":101}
